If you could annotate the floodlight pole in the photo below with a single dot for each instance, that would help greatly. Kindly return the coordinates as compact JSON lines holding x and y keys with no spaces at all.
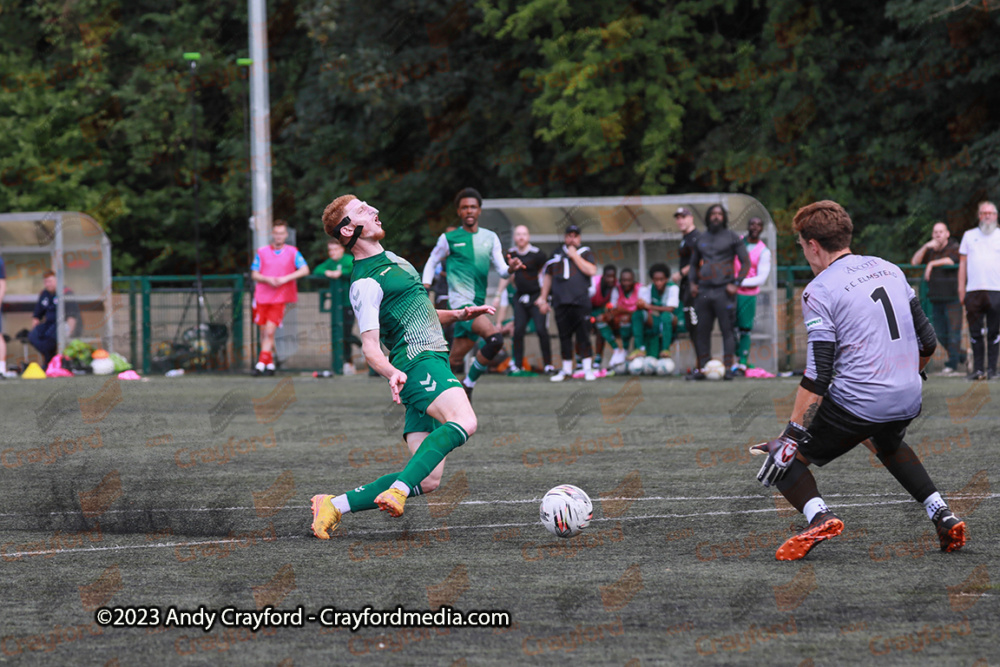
{"x":246,"y":63}
{"x":194,"y":57}
{"x":260,"y":137}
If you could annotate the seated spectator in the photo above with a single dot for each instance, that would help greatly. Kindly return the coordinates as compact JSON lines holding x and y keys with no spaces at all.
{"x":44,"y":335}
{"x":653,"y":321}
{"x":624,"y":302}
{"x":601,"y":289}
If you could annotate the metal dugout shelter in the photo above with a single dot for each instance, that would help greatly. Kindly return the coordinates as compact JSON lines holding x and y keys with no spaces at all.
{"x":639,"y":231}
{"x":74,"y":246}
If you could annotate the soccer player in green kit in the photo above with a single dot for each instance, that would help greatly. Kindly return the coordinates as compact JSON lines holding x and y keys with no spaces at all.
{"x":470,"y":252}
{"x":653,"y":320}
{"x":392,"y":308}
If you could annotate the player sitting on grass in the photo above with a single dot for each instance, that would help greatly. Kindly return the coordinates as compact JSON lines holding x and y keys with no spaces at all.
{"x":653,"y":320}
{"x":868,"y":342}
{"x":392,"y":308}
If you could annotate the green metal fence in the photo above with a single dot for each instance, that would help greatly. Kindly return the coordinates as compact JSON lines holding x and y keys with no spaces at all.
{"x":794,"y":279}
{"x":164,"y":324}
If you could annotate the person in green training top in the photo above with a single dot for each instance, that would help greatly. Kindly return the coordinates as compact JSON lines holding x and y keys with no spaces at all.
{"x":653,"y":319}
{"x":470,"y":252}
{"x":393,"y":309}
{"x":338,"y":267}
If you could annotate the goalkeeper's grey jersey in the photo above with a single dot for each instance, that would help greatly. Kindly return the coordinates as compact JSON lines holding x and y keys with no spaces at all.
{"x":862,"y":304}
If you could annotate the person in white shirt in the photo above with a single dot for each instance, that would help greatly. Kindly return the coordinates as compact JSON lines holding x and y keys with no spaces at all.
{"x":979,"y":290}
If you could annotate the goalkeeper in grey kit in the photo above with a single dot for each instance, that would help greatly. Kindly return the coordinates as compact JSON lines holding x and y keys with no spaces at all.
{"x":868,"y":342}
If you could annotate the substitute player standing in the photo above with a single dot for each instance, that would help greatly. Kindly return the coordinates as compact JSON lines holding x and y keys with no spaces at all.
{"x":275,"y":269}
{"x":746,"y":295}
{"x":393,"y":309}
{"x":470,"y":251}
{"x":868,"y":341}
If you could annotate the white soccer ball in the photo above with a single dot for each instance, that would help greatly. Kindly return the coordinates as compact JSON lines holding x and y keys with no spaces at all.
{"x":714,"y":370}
{"x":566,"y":510}
{"x":665,"y":367}
{"x":649,"y":368}
{"x":620,"y":369}
{"x":104,"y":366}
{"x":637,"y":366}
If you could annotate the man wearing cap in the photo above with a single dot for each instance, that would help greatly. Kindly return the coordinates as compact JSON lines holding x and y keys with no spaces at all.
{"x":567,"y":277}
{"x":714,"y":288}
{"x":687,"y":318}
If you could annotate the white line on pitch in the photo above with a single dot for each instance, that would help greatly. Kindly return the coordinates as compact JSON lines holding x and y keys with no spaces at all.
{"x":178,"y":510}
{"x":20,"y":554}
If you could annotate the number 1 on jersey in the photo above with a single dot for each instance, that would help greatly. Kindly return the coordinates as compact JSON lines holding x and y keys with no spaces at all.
{"x":880,"y":295}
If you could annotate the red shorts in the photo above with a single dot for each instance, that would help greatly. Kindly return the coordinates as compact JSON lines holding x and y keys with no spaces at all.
{"x":268,"y":312}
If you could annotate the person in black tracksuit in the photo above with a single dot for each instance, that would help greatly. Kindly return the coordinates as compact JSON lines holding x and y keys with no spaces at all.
{"x":713,"y":286}
{"x":567,"y":275}
{"x":527,"y":290}
{"x":685,"y":223}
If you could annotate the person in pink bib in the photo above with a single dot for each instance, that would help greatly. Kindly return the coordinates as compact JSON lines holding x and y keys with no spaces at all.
{"x":746,"y":295}
{"x":275,"y":269}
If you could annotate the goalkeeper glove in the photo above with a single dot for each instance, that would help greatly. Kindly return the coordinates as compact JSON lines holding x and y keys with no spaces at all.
{"x":780,"y":453}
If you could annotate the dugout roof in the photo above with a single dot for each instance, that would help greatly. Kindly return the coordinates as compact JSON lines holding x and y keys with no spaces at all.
{"x":642,"y":219}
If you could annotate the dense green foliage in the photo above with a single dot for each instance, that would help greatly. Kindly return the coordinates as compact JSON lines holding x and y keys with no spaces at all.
{"x":888,"y":108}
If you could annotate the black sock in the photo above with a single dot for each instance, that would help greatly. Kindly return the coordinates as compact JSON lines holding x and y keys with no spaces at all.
{"x":906,"y":467}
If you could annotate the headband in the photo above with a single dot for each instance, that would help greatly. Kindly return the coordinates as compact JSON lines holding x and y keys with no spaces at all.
{"x":354,"y":237}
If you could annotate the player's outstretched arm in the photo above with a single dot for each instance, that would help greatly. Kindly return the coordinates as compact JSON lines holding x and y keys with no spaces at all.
{"x":372,"y":349}
{"x":464,"y":314}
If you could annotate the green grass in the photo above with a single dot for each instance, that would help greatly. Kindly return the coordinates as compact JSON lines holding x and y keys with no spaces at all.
{"x":688,"y":554}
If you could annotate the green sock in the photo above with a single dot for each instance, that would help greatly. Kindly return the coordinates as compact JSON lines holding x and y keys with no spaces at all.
{"x":475,"y":370}
{"x":363,"y":497}
{"x":608,"y":335}
{"x":744,"y":347}
{"x":626,"y":334}
{"x":432,"y":451}
{"x":639,"y":328}
{"x":667,"y":329}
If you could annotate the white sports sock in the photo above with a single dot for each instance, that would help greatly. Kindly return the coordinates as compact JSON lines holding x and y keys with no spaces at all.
{"x":813,"y":507}
{"x":401,"y":486}
{"x":3,"y":367}
{"x":340,"y":502}
{"x":260,"y":365}
{"x":469,"y":383}
{"x":567,"y":367}
{"x":588,"y":364}
{"x":270,"y":367}
{"x":933,"y":503}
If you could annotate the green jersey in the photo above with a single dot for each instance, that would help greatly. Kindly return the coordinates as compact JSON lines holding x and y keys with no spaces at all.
{"x":387,"y":295}
{"x":469,"y":258}
{"x":345,"y":264}
{"x":669,"y":298}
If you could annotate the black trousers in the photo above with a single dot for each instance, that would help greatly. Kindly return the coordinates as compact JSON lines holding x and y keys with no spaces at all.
{"x":983,"y":305}
{"x":713,"y":303}
{"x":573,"y":319}
{"x":525,"y":310}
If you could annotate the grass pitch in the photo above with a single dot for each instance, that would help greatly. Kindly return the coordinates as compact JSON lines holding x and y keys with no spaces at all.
{"x":194,"y":493}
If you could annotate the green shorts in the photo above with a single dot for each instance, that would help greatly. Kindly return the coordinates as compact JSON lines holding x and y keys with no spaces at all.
{"x":463,"y":329}
{"x":427,"y":376}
